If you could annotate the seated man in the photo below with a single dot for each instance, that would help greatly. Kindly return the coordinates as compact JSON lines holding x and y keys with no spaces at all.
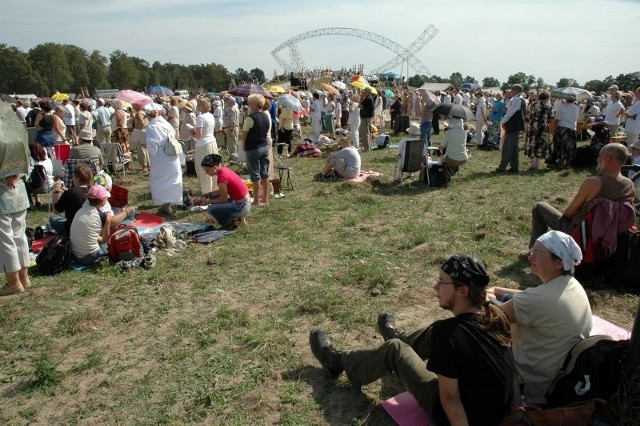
{"x":90,"y":228}
{"x":469,"y":376}
{"x":69,"y":201}
{"x":454,"y":145}
{"x":609,"y":184}
{"x":230,"y":202}
{"x":548,"y":319}
{"x":85,"y":150}
{"x":345,"y":162}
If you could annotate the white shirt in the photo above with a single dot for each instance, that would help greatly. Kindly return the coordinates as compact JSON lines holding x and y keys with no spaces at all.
{"x":206,"y":122}
{"x":457,"y":99}
{"x":611,"y":112}
{"x":69,"y":117}
{"x":567,"y":115}
{"x":633,"y":124}
{"x":481,"y":109}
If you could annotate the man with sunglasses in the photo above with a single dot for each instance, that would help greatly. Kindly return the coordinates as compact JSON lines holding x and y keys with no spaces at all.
{"x":468,"y":378}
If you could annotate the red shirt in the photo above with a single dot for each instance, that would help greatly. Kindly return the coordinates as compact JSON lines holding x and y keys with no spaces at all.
{"x":236,"y":187}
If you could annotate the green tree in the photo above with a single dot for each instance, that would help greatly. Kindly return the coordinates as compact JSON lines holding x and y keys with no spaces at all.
{"x":597,"y":86}
{"x":567,"y":82}
{"x":16,"y":74}
{"x":490,"y":82}
{"x":258,"y":74}
{"x":540,"y":83}
{"x":526,"y":81}
{"x":456,"y":79}
{"x":416,"y":81}
{"x":469,"y":79}
{"x":123,"y":72}
{"x":97,"y":71}
{"x":49,"y":60}
{"x":626,"y":82}
{"x":241,"y":75}
{"x":78,"y":65}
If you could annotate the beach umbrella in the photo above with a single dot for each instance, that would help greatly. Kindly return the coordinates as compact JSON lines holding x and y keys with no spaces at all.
{"x":59,"y":97}
{"x":455,"y":111}
{"x":158,"y":91}
{"x":338,"y":85}
{"x":428,"y":94}
{"x":246,"y":89}
{"x":276,"y":90}
{"x":14,"y":143}
{"x":575,"y":93}
{"x":362,"y":84}
{"x":133,"y":97}
{"x":329,"y":88}
{"x":291,"y":102}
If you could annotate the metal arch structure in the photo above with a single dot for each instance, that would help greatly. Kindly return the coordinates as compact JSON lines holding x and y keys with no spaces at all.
{"x":402,"y":54}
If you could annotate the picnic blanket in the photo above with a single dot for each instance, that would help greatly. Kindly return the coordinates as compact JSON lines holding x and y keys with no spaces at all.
{"x":364,"y":175}
{"x":404,"y":409}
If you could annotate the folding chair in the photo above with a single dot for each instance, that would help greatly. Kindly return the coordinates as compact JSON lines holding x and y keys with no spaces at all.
{"x":112,"y":154}
{"x":412,"y":152}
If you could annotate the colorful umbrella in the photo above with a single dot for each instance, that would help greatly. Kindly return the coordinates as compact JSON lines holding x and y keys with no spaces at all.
{"x":329,"y":88}
{"x":59,"y":97}
{"x":133,"y":97}
{"x":339,"y":85}
{"x":362,"y":84}
{"x":276,"y":90}
{"x":291,"y":102}
{"x":158,"y":91}
{"x":14,"y":149}
{"x":246,"y":89}
{"x":428,"y":94}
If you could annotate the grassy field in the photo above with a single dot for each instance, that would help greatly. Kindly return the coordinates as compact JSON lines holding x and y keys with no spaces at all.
{"x":219,"y":334}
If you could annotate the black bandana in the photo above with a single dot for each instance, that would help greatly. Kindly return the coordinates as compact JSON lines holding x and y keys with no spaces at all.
{"x":211,"y":160}
{"x":466,"y":269}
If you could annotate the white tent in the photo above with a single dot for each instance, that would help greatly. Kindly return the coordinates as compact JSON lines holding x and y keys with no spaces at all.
{"x":436,"y":86}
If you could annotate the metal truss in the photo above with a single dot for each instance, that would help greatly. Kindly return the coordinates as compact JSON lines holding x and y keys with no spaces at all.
{"x":403,"y":54}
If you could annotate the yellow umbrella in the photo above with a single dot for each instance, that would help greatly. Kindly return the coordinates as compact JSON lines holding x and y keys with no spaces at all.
{"x":276,"y":90}
{"x":59,"y":97}
{"x":358,"y":84}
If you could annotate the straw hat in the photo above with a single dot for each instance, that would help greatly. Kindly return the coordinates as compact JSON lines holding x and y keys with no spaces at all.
{"x":414,"y":129}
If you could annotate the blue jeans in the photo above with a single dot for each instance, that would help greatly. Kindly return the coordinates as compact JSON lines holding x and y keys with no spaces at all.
{"x":58,"y":224}
{"x":225,"y":213}
{"x":425,"y":131}
{"x":89,"y":259}
{"x":258,"y":163}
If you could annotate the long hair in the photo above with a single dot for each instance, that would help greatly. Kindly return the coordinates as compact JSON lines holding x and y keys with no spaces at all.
{"x":493,"y":320}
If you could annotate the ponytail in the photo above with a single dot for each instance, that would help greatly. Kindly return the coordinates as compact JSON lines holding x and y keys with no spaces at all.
{"x":494,"y":321}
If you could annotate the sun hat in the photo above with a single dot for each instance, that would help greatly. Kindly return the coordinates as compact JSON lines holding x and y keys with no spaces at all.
{"x":188,"y":107}
{"x":466,"y":269}
{"x":414,"y":129}
{"x":98,"y":192}
{"x":613,"y":86}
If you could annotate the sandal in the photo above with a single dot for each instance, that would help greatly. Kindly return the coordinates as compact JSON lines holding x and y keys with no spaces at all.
{"x":8,"y":290}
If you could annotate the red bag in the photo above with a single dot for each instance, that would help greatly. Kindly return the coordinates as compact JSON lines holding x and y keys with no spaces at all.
{"x":124,"y":244}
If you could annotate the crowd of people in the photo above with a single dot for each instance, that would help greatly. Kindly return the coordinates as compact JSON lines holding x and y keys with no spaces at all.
{"x":501,"y":347}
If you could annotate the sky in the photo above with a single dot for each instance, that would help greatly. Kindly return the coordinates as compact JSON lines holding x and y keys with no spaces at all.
{"x":551,"y":39}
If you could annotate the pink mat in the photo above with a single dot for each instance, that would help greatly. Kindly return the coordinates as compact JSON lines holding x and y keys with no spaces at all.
{"x":404,"y":408}
{"x":364,"y":175}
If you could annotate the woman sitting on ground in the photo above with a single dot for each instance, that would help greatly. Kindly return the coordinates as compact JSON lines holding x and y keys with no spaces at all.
{"x":230,"y":203}
{"x":454,"y":145}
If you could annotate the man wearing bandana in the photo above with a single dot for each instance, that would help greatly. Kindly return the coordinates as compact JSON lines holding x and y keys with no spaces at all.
{"x":548,"y":319}
{"x":468,"y":378}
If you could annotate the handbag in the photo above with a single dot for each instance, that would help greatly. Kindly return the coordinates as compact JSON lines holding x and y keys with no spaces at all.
{"x":172,"y":147}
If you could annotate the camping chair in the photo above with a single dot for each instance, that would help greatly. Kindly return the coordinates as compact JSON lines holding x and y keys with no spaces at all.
{"x":112,"y":153}
{"x":282,"y":151}
{"x":412,"y":152}
{"x":43,"y":189}
{"x":70,"y":164}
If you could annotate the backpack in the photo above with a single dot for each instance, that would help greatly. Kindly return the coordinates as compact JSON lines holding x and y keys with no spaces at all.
{"x":437,"y":175}
{"x":624,"y":268}
{"x":593,"y":368}
{"x":55,"y":256}
{"x":124,"y":243}
{"x":382,"y":141}
{"x":38,"y":177}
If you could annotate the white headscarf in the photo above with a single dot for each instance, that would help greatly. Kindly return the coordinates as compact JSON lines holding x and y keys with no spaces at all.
{"x":563,"y":246}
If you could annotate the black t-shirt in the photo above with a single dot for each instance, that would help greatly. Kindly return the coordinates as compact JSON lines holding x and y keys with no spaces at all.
{"x":367,"y":107}
{"x":485,"y":369}
{"x":70,"y":202}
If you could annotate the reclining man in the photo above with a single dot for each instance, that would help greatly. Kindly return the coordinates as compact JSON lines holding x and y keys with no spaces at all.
{"x":609,"y":184}
{"x":469,"y":376}
{"x":345,"y":162}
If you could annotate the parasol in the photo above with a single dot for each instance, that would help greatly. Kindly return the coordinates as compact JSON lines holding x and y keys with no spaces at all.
{"x":276,"y":90}
{"x":133,"y":97}
{"x":246,"y":89}
{"x":59,"y":97}
{"x":574,"y":93}
{"x":338,"y":85}
{"x":158,"y":91}
{"x":291,"y":102}
{"x":329,"y":88}
{"x":14,"y":140}
{"x":454,"y":110}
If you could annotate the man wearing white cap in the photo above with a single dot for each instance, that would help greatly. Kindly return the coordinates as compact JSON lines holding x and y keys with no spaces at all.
{"x":549,"y":319}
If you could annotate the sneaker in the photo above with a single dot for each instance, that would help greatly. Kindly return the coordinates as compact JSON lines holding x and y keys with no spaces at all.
{"x":325,"y":353}
{"x":149,"y":261}
{"x":387,"y":326}
{"x":126,"y":265}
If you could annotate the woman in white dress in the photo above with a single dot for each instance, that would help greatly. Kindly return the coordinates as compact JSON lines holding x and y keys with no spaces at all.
{"x":165,"y":177}
{"x":205,"y":144}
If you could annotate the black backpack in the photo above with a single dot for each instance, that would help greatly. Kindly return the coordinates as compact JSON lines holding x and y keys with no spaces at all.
{"x":38,"y":177}
{"x":624,"y":263}
{"x":593,"y":368}
{"x":55,"y":256}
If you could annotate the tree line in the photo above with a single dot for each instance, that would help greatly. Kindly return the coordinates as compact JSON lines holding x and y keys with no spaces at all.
{"x":51,"y":67}
{"x":625,"y":82}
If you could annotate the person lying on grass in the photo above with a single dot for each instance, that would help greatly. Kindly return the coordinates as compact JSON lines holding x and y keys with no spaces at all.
{"x":469,"y":375}
{"x":345,"y":162}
